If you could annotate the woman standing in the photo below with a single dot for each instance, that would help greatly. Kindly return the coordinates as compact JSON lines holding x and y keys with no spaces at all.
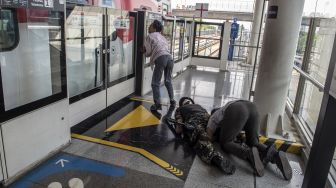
{"x":156,"y":47}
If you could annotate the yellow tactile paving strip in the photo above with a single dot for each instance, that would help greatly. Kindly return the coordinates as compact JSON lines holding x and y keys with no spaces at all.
{"x":141,"y":151}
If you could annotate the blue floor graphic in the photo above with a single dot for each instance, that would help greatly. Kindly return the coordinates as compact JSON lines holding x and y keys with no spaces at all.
{"x":62,"y":163}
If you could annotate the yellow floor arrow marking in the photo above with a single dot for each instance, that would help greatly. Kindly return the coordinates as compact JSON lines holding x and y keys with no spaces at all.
{"x":139,"y":117}
{"x":141,"y":151}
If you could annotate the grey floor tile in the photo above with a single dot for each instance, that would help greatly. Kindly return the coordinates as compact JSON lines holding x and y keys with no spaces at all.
{"x":194,"y":182}
{"x":131,"y":179}
{"x":273,"y":177}
{"x":210,"y":89}
{"x":144,"y":165}
{"x":116,"y":156}
{"x":100,"y":152}
{"x":207,"y":174}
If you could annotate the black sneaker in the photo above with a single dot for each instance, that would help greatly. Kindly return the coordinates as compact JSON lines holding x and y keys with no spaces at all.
{"x":255,"y":161}
{"x":269,"y":154}
{"x":224,"y":165}
{"x":227,"y":167}
{"x":283,"y":164}
{"x":172,"y":102}
{"x":156,"y":107}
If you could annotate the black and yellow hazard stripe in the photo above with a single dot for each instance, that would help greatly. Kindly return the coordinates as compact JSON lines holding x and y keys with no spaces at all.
{"x":175,"y":171}
{"x":281,"y":145}
{"x":141,"y":151}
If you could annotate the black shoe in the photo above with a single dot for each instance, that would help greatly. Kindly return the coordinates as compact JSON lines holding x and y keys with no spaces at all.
{"x":255,"y":161}
{"x":227,"y":167}
{"x":224,"y":165}
{"x":280,"y":159}
{"x":267,"y":156}
{"x":156,"y":107}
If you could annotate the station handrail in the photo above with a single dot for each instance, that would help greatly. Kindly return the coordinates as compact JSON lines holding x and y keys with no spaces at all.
{"x":310,"y":78}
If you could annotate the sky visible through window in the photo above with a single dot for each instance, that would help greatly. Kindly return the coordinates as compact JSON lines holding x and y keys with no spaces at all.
{"x":313,"y":8}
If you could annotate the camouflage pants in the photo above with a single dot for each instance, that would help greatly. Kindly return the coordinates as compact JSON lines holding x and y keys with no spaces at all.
{"x":206,"y":151}
{"x":199,"y":139}
{"x":198,"y":122}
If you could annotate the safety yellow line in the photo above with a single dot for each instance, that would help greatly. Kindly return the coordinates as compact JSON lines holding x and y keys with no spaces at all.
{"x":142,"y":100}
{"x":143,"y":152}
{"x":146,"y":100}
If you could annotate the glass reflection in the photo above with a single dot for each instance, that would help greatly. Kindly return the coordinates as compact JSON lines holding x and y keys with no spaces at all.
{"x":84,"y":49}
{"x":121,"y":27}
{"x":31,"y":55}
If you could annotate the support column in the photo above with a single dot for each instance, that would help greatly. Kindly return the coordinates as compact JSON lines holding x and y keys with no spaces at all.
{"x":276,"y":63}
{"x":257,"y":21}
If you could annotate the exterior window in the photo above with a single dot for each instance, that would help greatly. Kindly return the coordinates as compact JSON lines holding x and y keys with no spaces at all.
{"x":9,"y":33}
{"x":208,"y":40}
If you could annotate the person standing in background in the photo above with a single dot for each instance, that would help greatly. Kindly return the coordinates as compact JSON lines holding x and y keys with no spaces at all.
{"x":156,"y":47}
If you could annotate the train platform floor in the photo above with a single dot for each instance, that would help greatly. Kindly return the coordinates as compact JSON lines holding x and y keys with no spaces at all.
{"x":129,"y":146}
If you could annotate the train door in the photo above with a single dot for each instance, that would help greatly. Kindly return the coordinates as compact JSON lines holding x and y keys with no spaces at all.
{"x":100,"y":46}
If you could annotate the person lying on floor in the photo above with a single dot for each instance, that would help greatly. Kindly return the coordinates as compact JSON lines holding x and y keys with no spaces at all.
{"x":236,"y":116}
{"x":191,"y":120}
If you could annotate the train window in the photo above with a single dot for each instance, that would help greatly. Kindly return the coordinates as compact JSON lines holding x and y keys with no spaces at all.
{"x":178,"y":40}
{"x":33,"y":73}
{"x":9,"y":37}
{"x":207,"y":40}
{"x":187,"y":40}
{"x":121,"y":45}
{"x":84,"y":50}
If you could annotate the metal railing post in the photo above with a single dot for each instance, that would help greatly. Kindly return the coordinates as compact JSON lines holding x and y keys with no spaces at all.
{"x":305,"y":66}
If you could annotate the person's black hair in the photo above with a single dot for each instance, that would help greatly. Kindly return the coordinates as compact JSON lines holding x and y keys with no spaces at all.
{"x":157,"y":25}
{"x":214,"y":110}
{"x":185,"y":98}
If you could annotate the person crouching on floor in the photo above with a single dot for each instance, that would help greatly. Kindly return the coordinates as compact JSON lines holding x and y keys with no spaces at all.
{"x":190,"y":121}
{"x":236,"y":116}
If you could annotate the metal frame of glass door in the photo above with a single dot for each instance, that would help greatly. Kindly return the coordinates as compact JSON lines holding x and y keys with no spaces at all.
{"x":104,"y":56}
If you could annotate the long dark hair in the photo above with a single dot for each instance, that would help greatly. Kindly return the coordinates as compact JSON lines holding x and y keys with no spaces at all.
{"x":157,"y":25}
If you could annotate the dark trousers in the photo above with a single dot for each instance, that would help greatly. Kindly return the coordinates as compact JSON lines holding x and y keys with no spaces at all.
{"x":239,"y":116}
{"x":163,"y":65}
